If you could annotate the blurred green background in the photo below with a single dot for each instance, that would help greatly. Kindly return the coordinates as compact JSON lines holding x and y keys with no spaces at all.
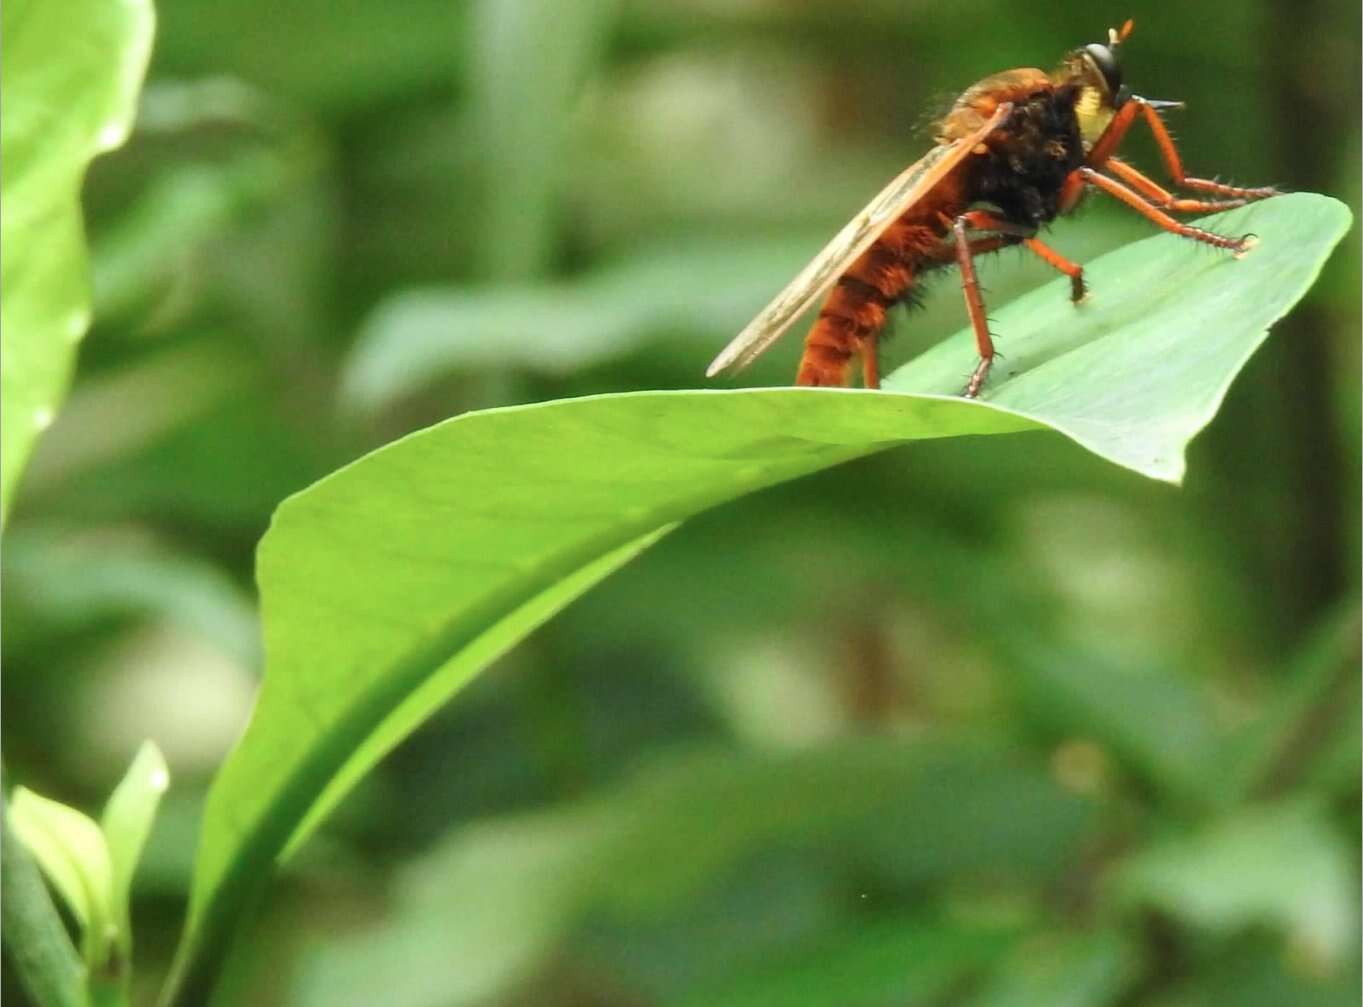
{"x":985,"y":723}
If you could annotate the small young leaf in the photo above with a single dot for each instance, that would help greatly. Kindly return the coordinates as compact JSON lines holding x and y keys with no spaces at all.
{"x":36,"y":940}
{"x":126,"y":824}
{"x":72,"y":853}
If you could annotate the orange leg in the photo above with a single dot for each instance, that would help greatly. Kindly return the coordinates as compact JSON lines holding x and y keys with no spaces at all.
{"x":1153,"y":213}
{"x":1043,"y":251}
{"x":1012,"y":234}
{"x":974,"y":302}
{"x":1174,"y":165}
{"x":1051,"y":257}
{"x":1116,"y":131}
{"x":966,"y":250}
{"x":983,"y":220}
{"x":1162,"y":197}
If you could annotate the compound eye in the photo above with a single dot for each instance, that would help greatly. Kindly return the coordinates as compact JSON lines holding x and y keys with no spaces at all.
{"x":1105,"y":60}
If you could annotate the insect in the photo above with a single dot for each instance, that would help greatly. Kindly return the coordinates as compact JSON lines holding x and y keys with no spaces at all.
{"x":1016,"y":150}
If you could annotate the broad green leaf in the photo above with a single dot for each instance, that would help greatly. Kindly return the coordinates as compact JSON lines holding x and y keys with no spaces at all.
{"x":68,"y":88}
{"x":387,"y":585}
{"x":126,"y":823}
{"x":1138,"y":368}
{"x":70,"y":849}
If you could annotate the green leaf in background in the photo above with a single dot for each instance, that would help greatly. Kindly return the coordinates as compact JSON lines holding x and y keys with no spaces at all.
{"x":36,"y":941}
{"x":66,"y":578}
{"x":1281,"y":865}
{"x":73,"y":855}
{"x":91,"y":864}
{"x":912,"y":961}
{"x":389,"y":584}
{"x":1055,"y":970}
{"x":416,"y":336}
{"x":519,"y":121}
{"x":506,"y":892}
{"x":68,"y":91}
{"x":126,"y":823}
{"x":1155,"y":719}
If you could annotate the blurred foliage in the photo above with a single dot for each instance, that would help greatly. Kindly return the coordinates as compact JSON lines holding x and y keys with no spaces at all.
{"x":1080,"y":738}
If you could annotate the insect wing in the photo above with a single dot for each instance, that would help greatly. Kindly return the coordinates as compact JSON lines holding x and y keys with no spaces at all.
{"x":859,"y":234}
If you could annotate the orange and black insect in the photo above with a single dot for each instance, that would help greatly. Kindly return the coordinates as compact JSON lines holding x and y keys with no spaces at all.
{"x":1016,"y":150}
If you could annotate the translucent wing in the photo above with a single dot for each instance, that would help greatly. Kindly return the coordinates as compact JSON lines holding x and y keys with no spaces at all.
{"x":859,"y":234}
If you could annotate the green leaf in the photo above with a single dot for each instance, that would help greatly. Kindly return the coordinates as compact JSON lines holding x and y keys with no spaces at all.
{"x":57,"y":575}
{"x":1053,"y":970}
{"x":70,"y":849}
{"x":1310,"y":713}
{"x":1138,"y":368}
{"x":911,"y":961}
{"x":92,"y":864}
{"x":1282,"y":865}
{"x":1154,"y":719}
{"x":36,"y":941}
{"x":416,"y":336}
{"x":68,"y":88}
{"x":126,"y":823}
{"x":389,"y":584}
{"x":520,"y":120}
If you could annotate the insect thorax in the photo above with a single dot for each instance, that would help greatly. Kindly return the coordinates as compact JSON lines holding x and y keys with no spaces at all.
{"x":1029,"y":158}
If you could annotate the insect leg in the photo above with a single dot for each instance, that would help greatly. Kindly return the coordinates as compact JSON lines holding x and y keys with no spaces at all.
{"x":1051,"y":257}
{"x":983,"y":220}
{"x":1153,"y":213}
{"x":1043,"y":251}
{"x":974,"y":304}
{"x":1106,"y":144}
{"x":1162,"y":197}
{"x":1174,"y":164}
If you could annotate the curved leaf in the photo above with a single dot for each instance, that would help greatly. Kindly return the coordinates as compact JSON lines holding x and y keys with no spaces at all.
{"x":389,"y":584}
{"x":126,"y":824}
{"x":36,"y":941}
{"x":71,"y":850}
{"x":69,"y":86}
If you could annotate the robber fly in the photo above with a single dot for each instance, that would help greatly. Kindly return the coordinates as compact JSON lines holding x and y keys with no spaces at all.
{"x":1016,"y":150}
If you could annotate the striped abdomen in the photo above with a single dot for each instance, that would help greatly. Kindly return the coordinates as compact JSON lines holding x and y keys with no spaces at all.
{"x":854,"y":313}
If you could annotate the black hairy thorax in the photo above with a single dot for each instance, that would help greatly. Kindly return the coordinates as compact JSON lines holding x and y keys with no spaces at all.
{"x":1030,"y":157}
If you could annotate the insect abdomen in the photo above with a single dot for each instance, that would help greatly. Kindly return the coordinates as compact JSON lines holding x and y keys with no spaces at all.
{"x":855,"y":309}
